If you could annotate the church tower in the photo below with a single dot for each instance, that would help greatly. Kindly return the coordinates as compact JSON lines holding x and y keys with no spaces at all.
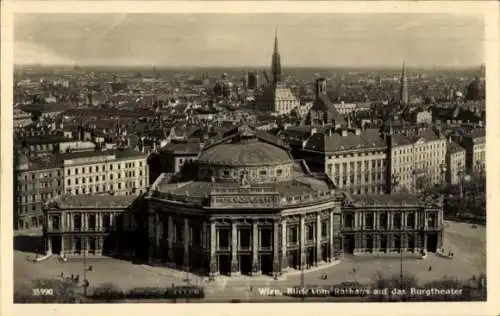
{"x":276,"y":61}
{"x":403,"y":93}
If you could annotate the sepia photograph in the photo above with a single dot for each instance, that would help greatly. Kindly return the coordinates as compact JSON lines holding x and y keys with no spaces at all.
{"x":249,"y":158}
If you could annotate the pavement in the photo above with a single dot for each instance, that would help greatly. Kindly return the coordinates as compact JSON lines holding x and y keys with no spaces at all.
{"x":468,"y":243}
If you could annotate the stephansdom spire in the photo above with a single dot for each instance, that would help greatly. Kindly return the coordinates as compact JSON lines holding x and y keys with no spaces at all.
{"x":404,"y":86}
{"x":276,"y":61}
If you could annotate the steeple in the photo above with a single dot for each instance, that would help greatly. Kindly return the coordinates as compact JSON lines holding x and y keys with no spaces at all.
{"x":276,"y":60}
{"x":403,"y":97}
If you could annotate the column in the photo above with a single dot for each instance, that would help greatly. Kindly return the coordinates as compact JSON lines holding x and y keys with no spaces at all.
{"x":235,"y":269}
{"x":389,"y":215}
{"x":375,"y":220}
{"x":416,"y":220}
{"x":170,"y":241}
{"x":302,"y":241}
{"x":213,"y":245}
{"x":403,"y":220}
{"x":62,"y":246}
{"x":157,"y":236}
{"x":426,"y":222}
{"x":284,"y":249}
{"x":187,"y":242}
{"x":330,"y":235}
{"x":49,"y":245}
{"x":276,"y":250}
{"x":319,"y":257}
{"x":255,"y":249}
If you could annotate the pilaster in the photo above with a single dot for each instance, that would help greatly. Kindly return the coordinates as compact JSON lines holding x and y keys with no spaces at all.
{"x":319,"y":258}
{"x":276,"y":250}
{"x":302,"y":242}
{"x":284,"y":257}
{"x":256,"y":270}
{"x":187,"y":242}
{"x":235,"y":269}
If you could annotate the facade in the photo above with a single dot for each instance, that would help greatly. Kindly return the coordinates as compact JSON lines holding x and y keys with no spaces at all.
{"x":345,"y":108}
{"x":35,"y":181}
{"x":429,"y":153}
{"x":21,"y":119}
{"x":250,"y":209}
{"x":277,"y":97}
{"x":92,"y":225}
{"x":455,"y":162}
{"x":172,"y":157}
{"x":355,"y":159}
{"x":401,"y":161}
{"x":475,"y":150}
{"x":391,"y":224}
{"x":120,"y":172}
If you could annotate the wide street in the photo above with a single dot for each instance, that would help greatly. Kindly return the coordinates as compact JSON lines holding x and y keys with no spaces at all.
{"x":465,"y":240}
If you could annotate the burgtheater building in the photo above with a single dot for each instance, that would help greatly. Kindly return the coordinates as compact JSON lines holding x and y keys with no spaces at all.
{"x":248,"y":209}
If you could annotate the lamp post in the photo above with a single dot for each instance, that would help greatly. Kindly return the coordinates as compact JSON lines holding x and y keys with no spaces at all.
{"x":85,"y":268}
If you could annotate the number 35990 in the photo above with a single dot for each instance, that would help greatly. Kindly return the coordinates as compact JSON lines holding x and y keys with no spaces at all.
{"x":42,"y":292}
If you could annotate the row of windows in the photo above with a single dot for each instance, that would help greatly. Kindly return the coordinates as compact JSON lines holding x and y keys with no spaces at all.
{"x":91,"y":169}
{"x":356,"y":166}
{"x":359,"y":154}
{"x":104,"y":188}
{"x":102,"y":178}
{"x":41,"y":175}
{"x":39,"y":197}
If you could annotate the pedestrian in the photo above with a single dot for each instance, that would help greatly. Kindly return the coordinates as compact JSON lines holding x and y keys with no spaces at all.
{"x":354,"y":270}
{"x":430,"y":268}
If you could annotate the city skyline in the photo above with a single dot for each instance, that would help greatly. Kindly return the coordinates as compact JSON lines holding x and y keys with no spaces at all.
{"x":246,"y":40}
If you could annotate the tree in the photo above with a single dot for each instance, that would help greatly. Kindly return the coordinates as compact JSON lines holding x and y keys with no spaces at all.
{"x":48,"y":291}
{"x":107,"y":292}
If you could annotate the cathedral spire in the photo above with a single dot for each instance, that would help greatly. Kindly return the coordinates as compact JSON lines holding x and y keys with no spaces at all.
{"x":276,"y":60}
{"x":404,"y":86}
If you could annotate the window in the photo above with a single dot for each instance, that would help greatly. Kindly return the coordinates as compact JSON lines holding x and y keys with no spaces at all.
{"x":263,"y":172}
{"x":293,"y":235}
{"x":106,"y":221}
{"x":397,"y":220}
{"x":77,"y":222}
{"x":266,"y":238}
{"x":279,"y":171}
{"x":324,"y":228}
{"x":369,"y":220}
{"x":310,"y":231}
{"x":69,"y":181}
{"x":92,"y":221}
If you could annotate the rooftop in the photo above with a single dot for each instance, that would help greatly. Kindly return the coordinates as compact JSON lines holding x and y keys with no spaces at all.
{"x":335,"y":142}
{"x":92,"y":201}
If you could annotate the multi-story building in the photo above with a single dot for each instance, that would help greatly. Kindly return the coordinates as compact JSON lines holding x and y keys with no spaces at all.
{"x":251,"y":209}
{"x":355,"y":159}
{"x":429,"y":158}
{"x":93,"y":225}
{"x":39,"y":145}
{"x":345,"y":108}
{"x":391,"y":224}
{"x":455,"y":163}
{"x":35,"y":181}
{"x":172,"y":157}
{"x":401,"y":160}
{"x":120,"y":172}
{"x":21,"y":119}
{"x":475,"y":150}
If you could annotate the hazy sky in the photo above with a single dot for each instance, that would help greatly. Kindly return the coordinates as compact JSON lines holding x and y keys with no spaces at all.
{"x":327,"y":40}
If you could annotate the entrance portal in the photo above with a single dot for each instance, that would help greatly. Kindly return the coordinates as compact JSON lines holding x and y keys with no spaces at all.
{"x":310,"y":257}
{"x":56,"y":244}
{"x":246,"y":264}
{"x":293,"y":259}
{"x":383,"y":243}
{"x":266,"y":264}
{"x":92,"y":245}
{"x":432,"y":242}
{"x":224,"y":264}
{"x":349,"y":244}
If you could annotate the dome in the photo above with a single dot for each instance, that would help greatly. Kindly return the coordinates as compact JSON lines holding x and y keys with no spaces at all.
{"x":245,"y":149}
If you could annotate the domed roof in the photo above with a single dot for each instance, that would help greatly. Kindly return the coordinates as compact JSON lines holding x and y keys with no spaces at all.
{"x":245,"y":149}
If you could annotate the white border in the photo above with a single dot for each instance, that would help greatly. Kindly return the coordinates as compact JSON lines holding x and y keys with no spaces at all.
{"x":489,"y":9}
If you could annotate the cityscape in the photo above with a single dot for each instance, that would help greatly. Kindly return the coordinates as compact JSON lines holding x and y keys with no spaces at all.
{"x":247,"y":166}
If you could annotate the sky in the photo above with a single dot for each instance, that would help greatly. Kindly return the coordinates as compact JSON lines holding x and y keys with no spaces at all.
{"x":234,"y":40}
